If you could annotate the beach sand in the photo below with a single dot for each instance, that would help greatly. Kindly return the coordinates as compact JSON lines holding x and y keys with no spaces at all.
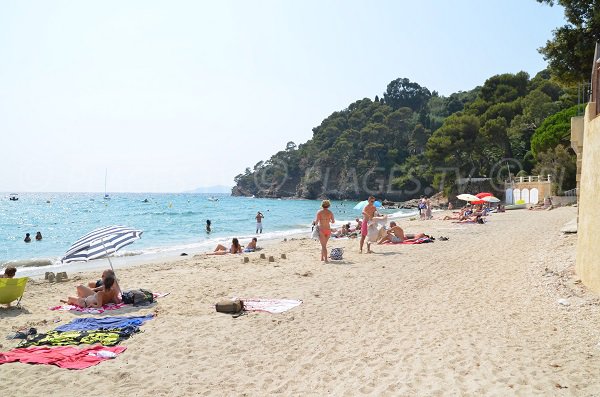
{"x":476,"y":315}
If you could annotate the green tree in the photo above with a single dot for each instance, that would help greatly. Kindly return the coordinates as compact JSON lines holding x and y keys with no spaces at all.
{"x":555,"y":130}
{"x":404,"y":93}
{"x":570,"y":52}
{"x":561,"y":163}
{"x":453,"y":149}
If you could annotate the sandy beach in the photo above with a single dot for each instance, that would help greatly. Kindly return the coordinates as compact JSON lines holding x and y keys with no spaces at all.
{"x":476,"y":315}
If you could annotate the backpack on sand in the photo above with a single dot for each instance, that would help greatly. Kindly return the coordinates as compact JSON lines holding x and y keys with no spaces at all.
{"x":230,"y":306}
{"x":138,"y":297}
{"x":336,"y":254}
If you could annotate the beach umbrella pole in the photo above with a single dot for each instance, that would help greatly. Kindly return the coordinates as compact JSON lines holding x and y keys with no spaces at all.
{"x":108,"y":256}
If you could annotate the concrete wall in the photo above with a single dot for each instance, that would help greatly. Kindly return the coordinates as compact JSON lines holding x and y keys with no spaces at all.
{"x":560,"y":201}
{"x":588,"y":229}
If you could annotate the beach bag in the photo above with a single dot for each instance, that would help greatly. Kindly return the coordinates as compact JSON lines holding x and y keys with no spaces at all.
{"x":315,"y":232}
{"x":138,"y":297}
{"x":229,"y":306}
{"x":336,"y":254}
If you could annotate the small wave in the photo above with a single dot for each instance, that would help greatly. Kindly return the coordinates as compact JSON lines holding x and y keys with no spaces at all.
{"x":172,"y":213}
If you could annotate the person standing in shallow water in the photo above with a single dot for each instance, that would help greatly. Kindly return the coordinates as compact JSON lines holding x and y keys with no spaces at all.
{"x":208,"y":226}
{"x":27,"y":238}
{"x":324,"y":220}
{"x":259,"y":218}
{"x":38,"y":236}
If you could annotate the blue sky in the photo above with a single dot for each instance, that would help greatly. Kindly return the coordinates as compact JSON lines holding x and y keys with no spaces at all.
{"x":172,"y":95}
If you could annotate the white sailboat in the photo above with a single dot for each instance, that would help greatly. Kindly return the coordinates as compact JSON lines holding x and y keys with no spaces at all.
{"x":106,"y":196}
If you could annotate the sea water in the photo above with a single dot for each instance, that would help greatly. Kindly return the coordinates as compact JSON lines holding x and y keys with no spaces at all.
{"x":172,"y":223}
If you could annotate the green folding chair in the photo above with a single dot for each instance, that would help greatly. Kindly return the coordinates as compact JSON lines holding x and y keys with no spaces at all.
{"x":12,"y":289}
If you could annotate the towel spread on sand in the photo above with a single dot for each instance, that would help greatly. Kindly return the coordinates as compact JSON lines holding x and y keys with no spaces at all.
{"x":269,"y":305}
{"x":103,"y":337}
{"x":98,"y":310}
{"x":89,"y":310}
{"x":417,"y":241}
{"x":92,"y":324}
{"x":64,"y":357}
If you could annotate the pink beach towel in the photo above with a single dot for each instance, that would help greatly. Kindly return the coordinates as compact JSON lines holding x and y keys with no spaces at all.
{"x":63,"y":356}
{"x":98,"y":310}
{"x":274,"y":306}
{"x":89,"y":310}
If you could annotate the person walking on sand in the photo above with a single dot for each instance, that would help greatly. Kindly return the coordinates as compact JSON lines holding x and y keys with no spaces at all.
{"x":324,"y":220}
{"x":428,"y":208}
{"x":368,"y":213}
{"x":259,"y":218}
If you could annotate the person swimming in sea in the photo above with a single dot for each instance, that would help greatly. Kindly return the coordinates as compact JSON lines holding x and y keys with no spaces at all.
{"x":27,"y":238}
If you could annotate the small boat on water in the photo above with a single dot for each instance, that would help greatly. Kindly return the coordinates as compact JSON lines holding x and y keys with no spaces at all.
{"x":212,"y":198}
{"x":13,"y":197}
{"x":106,"y":195}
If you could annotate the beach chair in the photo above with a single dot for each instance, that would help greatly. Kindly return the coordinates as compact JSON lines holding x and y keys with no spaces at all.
{"x":12,"y":289}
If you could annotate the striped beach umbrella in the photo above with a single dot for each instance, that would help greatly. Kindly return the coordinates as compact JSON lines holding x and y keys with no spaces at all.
{"x":101,"y":243}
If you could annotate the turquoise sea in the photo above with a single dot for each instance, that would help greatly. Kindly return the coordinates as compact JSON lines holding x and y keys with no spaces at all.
{"x":172,"y":223}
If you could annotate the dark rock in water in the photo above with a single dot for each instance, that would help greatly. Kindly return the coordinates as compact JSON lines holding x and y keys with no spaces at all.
{"x":29,"y":263}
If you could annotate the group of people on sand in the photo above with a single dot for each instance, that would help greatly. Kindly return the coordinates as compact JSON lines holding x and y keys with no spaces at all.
{"x":324,"y":219}
{"x":425,"y":208}
{"x":97,"y":293}
{"x":235,"y":247}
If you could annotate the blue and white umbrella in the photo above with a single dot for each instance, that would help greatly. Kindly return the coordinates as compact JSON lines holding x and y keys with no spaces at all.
{"x":101,"y":243}
{"x":363,"y":204}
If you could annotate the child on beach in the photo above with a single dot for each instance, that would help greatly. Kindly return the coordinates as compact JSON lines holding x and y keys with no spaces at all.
{"x":251,"y":247}
{"x":323,"y":220}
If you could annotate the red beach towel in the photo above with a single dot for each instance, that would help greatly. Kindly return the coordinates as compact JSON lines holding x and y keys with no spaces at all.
{"x":98,"y":310}
{"x":64,"y":356}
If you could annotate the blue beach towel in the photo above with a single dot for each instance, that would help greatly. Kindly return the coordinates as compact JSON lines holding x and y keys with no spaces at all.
{"x":92,"y":324}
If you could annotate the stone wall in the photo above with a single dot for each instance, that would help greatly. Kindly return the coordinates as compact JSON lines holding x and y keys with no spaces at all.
{"x":588,"y":229}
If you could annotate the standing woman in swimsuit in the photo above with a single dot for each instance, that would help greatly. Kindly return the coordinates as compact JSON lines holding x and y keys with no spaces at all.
{"x":324,"y":219}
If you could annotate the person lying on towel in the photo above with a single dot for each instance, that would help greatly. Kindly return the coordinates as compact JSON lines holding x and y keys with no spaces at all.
{"x":86,"y":297}
{"x":395,"y":235}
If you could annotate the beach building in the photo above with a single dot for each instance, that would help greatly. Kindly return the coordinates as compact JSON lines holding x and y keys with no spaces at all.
{"x":530,"y":189}
{"x":585,"y":140}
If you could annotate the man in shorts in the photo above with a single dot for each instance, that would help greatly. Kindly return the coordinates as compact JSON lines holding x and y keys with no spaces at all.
{"x":259,"y":218}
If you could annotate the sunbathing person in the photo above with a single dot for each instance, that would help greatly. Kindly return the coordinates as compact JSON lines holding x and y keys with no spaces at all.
{"x":463,"y":214}
{"x":472,"y":219}
{"x":108,"y":294}
{"x":547,"y":205}
{"x":251,"y":247}
{"x":96,"y":286}
{"x":396,"y":235}
{"x":235,"y":248}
